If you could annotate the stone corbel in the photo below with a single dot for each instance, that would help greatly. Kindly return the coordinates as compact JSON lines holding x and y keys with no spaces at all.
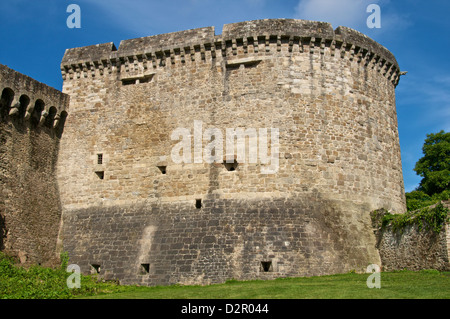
{"x":43,"y":118}
{"x":15,"y":109}
{"x":29,"y":113}
{"x":56,"y":121}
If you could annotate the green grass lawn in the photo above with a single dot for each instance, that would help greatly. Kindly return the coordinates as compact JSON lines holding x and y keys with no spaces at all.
{"x":394,"y":285}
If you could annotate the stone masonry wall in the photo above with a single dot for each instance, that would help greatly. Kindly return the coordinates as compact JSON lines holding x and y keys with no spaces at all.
{"x":414,"y":249}
{"x":331,"y":96}
{"x":31,"y":123}
{"x":225,"y":239}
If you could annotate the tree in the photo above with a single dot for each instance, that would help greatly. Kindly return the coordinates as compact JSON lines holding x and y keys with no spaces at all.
{"x":434,"y":166}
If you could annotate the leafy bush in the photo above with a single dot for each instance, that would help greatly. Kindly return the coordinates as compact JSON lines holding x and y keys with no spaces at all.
{"x":418,"y":199}
{"x":445,"y":195}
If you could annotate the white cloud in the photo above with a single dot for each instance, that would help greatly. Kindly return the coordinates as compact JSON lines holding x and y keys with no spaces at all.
{"x":350,"y":13}
{"x":143,"y":17}
{"x":147,"y":17}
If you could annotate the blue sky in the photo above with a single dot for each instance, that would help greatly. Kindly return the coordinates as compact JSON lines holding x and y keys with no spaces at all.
{"x":34,"y":36}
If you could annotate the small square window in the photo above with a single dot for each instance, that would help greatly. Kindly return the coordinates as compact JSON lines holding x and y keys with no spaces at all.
{"x":198,"y":203}
{"x":100,"y":175}
{"x":266,"y":266}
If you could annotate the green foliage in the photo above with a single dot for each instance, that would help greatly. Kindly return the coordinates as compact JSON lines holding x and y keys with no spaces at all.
{"x":64,"y":257}
{"x":387,"y":219}
{"x":418,"y":199}
{"x":426,"y":219}
{"x":39,"y":282}
{"x":434,"y":166}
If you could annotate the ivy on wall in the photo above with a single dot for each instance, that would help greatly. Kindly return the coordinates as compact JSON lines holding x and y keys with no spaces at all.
{"x":426,"y":219}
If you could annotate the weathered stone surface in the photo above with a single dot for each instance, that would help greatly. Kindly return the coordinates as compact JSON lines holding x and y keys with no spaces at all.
{"x":330,"y":93}
{"x":189,"y":246}
{"x":31,"y":124}
{"x":413,"y":248}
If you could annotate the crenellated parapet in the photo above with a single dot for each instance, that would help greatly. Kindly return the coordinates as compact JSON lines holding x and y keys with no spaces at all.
{"x":23,"y":98}
{"x":138,"y":59}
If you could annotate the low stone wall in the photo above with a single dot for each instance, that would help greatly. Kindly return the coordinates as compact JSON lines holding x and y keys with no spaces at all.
{"x":413,"y":248}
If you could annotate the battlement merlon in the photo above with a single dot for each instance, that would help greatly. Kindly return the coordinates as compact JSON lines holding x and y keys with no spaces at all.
{"x":317,"y":33}
{"x":155,"y":43}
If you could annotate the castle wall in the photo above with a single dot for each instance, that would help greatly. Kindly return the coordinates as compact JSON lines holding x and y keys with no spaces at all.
{"x":413,"y":248}
{"x":329,"y":94}
{"x":31,"y":123}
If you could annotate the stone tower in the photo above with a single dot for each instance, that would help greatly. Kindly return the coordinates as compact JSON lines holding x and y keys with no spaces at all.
{"x":325,"y":98}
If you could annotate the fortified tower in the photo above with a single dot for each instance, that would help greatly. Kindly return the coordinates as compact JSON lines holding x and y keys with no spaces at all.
{"x":326,"y":99}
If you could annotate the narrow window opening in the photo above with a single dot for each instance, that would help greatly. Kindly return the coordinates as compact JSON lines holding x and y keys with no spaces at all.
{"x":242,"y":64}
{"x":145,"y":268}
{"x":266,"y":266}
{"x":129,"y":82}
{"x":198,"y":203}
{"x":100,"y":158}
{"x":231,"y":167}
{"x":96,"y":268}
{"x":232,"y":67}
{"x":252,"y":64}
{"x":100,"y":175}
{"x":162,"y":169}
{"x":138,"y":80}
